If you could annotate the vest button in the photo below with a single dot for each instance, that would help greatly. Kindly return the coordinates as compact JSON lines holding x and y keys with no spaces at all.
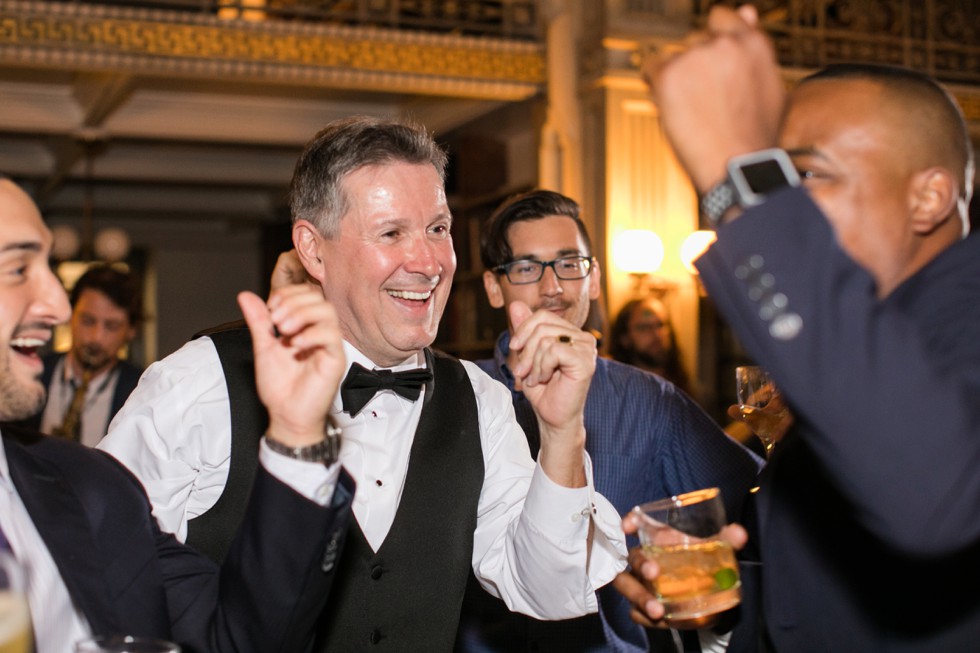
{"x":375,"y":636}
{"x":376,"y":572}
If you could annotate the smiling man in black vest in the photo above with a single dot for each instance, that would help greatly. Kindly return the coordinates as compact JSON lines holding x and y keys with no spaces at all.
{"x":445,"y":479}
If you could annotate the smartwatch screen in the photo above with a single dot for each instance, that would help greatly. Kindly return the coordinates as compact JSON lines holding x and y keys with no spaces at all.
{"x":763,"y":177}
{"x":758,"y":174}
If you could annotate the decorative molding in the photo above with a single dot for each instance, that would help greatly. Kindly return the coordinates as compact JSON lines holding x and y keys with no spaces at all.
{"x":98,"y":37}
{"x":939,"y":37}
{"x":616,"y":66}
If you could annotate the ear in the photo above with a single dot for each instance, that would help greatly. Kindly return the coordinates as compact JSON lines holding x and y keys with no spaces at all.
{"x":492,"y":285}
{"x":595,"y":278}
{"x":932,"y":199}
{"x":307,"y":241}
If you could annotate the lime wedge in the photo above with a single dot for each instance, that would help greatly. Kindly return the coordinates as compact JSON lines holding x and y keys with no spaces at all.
{"x":725,"y":578}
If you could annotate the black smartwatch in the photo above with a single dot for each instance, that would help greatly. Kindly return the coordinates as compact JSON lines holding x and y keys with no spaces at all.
{"x":750,"y":178}
{"x":327,"y":451}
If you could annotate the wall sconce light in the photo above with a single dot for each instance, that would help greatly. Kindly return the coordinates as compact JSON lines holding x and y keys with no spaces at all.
{"x":640,"y":252}
{"x":694,"y":246}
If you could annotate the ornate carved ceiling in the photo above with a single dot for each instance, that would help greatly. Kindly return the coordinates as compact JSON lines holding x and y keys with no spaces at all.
{"x":190,"y":114}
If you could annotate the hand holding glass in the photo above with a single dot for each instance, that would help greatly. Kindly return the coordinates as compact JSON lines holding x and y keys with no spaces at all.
{"x":698,"y":573}
{"x":760,"y":404}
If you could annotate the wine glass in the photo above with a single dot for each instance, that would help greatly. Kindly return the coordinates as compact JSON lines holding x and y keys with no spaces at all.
{"x":16,"y":634}
{"x":760,"y":404}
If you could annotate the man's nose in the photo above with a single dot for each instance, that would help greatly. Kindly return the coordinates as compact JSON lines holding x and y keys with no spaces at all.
{"x":550,"y":284}
{"x":51,"y":301}
{"x":422,"y":257}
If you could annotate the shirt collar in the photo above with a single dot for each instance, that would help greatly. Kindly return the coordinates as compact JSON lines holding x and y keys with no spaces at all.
{"x":353,"y":355}
{"x":67,"y":374}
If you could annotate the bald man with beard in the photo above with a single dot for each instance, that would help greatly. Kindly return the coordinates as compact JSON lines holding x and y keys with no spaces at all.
{"x":857,"y":287}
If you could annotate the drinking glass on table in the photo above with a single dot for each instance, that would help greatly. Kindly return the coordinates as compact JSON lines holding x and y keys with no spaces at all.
{"x":16,"y":634}
{"x":125,"y":644}
{"x":761,"y":405}
{"x":698,"y":577}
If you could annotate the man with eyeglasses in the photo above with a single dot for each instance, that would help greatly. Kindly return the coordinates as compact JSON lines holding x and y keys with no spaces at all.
{"x":647,"y":438}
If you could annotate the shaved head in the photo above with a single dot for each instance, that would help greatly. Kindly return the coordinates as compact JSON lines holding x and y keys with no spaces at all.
{"x":930,"y":129}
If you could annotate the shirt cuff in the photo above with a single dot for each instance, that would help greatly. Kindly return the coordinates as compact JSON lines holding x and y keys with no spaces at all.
{"x":561,"y":511}
{"x":565,"y":513}
{"x":315,"y":481}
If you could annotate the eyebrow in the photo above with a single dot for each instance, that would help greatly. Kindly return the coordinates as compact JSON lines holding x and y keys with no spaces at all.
{"x":25,"y":246}
{"x":805,"y":151}
{"x":561,"y":254}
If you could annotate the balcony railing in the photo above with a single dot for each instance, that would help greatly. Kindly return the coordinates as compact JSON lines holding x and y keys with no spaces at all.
{"x":941,"y":37}
{"x":512,"y":19}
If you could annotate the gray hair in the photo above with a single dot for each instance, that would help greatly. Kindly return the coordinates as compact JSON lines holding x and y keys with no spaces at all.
{"x":346,"y":145}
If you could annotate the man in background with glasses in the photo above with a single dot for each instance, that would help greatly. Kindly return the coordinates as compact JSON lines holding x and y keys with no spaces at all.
{"x":647,"y":439}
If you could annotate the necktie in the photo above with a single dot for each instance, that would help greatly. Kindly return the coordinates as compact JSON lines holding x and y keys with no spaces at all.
{"x":362,"y":384}
{"x":71,"y":426}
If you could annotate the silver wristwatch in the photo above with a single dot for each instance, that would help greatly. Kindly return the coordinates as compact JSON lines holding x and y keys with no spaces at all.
{"x":750,"y":178}
{"x":326,"y":451}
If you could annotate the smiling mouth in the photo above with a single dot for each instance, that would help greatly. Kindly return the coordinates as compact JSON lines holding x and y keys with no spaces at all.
{"x":409,"y":294}
{"x":27,"y":346}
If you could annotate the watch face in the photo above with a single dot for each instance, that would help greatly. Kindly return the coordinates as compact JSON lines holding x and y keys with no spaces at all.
{"x":764,"y":176}
{"x":757,"y":174}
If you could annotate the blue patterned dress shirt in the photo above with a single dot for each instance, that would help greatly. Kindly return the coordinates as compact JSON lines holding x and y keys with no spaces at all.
{"x":647,"y":440}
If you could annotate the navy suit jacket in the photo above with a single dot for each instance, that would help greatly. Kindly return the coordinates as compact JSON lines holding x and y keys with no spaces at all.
{"x":868,"y":526}
{"x":129,"y":376}
{"x":128,"y":577}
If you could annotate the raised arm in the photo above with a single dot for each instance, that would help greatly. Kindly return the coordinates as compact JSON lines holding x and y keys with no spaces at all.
{"x":556,"y":362}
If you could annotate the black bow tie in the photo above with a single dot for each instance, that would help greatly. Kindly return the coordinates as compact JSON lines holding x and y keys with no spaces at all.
{"x":362,"y":384}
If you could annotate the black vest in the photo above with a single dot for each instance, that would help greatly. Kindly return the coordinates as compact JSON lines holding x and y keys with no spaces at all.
{"x":213,"y":532}
{"x":407,"y":596}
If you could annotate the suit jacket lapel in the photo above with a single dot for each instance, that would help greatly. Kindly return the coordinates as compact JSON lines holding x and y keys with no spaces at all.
{"x":62,"y":522}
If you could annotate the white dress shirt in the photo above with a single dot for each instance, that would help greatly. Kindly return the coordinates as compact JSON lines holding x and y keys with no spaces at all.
{"x":95,"y":410}
{"x":57,"y":621}
{"x":531,"y":540}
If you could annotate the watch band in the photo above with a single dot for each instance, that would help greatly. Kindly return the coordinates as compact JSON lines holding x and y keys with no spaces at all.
{"x":717,"y":201}
{"x":750,"y":178}
{"x":327,"y":451}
